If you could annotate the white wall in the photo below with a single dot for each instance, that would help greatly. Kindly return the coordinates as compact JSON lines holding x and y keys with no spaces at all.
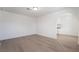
{"x":14,"y":25}
{"x":77,"y":16}
{"x":47,"y":25}
{"x":69,"y":23}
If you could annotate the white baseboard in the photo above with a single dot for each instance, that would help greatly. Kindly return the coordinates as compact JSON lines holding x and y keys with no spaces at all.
{"x":11,"y":37}
{"x":48,"y":36}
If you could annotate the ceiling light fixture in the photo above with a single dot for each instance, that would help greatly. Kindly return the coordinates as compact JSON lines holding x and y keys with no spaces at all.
{"x":33,"y":8}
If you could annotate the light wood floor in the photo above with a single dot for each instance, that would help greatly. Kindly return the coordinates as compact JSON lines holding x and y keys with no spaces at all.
{"x":37,"y":43}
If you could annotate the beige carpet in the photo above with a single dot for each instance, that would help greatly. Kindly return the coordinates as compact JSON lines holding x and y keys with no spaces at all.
{"x":37,"y":43}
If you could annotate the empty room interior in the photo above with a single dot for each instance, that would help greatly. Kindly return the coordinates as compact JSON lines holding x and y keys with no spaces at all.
{"x":39,"y":29}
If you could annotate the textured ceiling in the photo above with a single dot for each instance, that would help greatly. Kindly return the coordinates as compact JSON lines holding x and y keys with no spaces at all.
{"x":23,"y":10}
{"x":42,"y":10}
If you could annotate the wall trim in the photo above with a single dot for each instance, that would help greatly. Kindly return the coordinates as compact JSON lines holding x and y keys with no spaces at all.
{"x":67,"y":35}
